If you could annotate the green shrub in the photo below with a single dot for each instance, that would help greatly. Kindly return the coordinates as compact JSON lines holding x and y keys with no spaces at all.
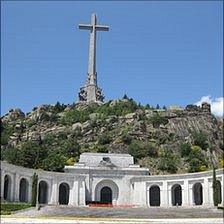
{"x":13,"y":155}
{"x":168,"y":161}
{"x":126,"y":138}
{"x":140,"y":149}
{"x":185,"y":149}
{"x":49,"y":139}
{"x":74,"y":116}
{"x":157,"y":120}
{"x":137,"y":149}
{"x":152,"y":150}
{"x":32,"y":154}
{"x":200,"y":139}
{"x":58,"y":108}
{"x":70,"y":161}
{"x":6,"y":132}
{"x":102,"y":149}
{"x":196,"y":159}
{"x":54,"y":162}
{"x":215,"y":189}
{"x":105,"y":139}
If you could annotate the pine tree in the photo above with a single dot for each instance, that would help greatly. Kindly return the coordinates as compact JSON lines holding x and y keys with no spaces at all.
{"x":215,"y":188}
{"x":125,"y":97}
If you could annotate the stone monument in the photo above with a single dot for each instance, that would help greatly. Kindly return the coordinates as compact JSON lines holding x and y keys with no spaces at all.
{"x":91,"y":92}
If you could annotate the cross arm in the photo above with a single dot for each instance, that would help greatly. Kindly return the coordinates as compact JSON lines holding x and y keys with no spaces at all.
{"x":85,"y":26}
{"x":102,"y":27}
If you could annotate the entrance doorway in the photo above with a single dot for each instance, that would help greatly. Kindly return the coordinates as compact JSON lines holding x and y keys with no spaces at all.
{"x":219,"y":188}
{"x":23,"y":190}
{"x":43,"y":192}
{"x":7,"y":188}
{"x":176,"y":195}
{"x":63,"y":194}
{"x":154,"y":196}
{"x":106,"y":195}
{"x":197,"y":192}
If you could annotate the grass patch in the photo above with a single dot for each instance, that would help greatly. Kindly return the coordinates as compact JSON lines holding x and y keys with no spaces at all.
{"x":8,"y":208}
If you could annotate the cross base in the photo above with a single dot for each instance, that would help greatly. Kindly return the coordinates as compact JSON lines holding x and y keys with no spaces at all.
{"x":90,"y":94}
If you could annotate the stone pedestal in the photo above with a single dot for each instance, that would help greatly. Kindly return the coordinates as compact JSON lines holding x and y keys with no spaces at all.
{"x":90,"y":93}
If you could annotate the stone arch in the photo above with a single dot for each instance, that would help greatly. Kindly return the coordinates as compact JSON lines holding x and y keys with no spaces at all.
{"x":176,"y":193}
{"x":7,"y":187}
{"x":63,"y":197}
{"x":197,"y":194}
{"x":154,"y":195}
{"x":110,"y":185}
{"x":23,"y":190}
{"x":219,"y":188}
{"x":43,"y":192}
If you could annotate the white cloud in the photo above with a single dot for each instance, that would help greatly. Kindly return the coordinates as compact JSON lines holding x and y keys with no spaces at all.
{"x":216,"y":104}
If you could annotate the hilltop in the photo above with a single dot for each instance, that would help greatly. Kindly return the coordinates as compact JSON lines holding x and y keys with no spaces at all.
{"x":174,"y":140}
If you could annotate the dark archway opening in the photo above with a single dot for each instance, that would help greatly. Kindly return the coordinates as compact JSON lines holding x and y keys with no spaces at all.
{"x":219,"y":188}
{"x":176,"y":195}
{"x":63,"y":194}
{"x":106,"y":195}
{"x":43,"y":192}
{"x":23,"y":190}
{"x":7,"y":188}
{"x":197,"y":193}
{"x":154,"y":196}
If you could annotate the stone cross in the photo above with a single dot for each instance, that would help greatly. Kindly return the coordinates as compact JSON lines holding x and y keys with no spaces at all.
{"x":93,"y":27}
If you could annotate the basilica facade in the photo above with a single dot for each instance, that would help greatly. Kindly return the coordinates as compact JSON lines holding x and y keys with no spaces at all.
{"x":110,"y":179}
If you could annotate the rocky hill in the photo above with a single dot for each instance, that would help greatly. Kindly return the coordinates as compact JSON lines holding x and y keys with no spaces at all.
{"x":175,"y":140}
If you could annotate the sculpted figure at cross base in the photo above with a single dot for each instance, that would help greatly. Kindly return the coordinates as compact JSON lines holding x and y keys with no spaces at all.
{"x":91,"y":92}
{"x":82,"y":94}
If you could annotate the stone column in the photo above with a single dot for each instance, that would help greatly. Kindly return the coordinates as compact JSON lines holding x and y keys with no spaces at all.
{"x":191,"y":202}
{"x":185,"y":193}
{"x":138,"y":194}
{"x":132,"y":193}
{"x":222,"y":191}
{"x":54,"y":192}
{"x":148,"y":196}
{"x":73,"y":197}
{"x":169,"y":195}
{"x":164,"y":194}
{"x":16,"y":184}
{"x":2,"y":183}
{"x":30,"y":190}
{"x":82,"y":193}
{"x":210,"y":192}
{"x":205,"y":191}
{"x":141,"y":193}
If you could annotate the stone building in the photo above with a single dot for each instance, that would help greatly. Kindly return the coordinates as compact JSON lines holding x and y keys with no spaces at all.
{"x":109,"y":179}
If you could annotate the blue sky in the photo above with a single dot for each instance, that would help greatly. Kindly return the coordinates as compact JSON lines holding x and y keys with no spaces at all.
{"x":169,"y":53}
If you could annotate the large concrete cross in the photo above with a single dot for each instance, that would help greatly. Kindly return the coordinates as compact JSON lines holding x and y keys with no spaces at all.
{"x":93,"y":27}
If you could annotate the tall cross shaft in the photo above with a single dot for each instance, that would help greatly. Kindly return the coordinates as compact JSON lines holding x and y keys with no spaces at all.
{"x":93,"y":27}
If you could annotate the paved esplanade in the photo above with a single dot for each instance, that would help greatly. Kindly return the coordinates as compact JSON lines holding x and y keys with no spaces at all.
{"x":91,"y":92}
{"x":155,"y":215}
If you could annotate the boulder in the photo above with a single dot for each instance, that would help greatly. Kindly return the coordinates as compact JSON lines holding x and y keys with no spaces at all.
{"x":13,"y":115}
{"x":93,"y":116}
{"x":76,"y":126}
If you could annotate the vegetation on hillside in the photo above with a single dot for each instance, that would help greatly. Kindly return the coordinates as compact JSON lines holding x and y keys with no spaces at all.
{"x":121,"y":126}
